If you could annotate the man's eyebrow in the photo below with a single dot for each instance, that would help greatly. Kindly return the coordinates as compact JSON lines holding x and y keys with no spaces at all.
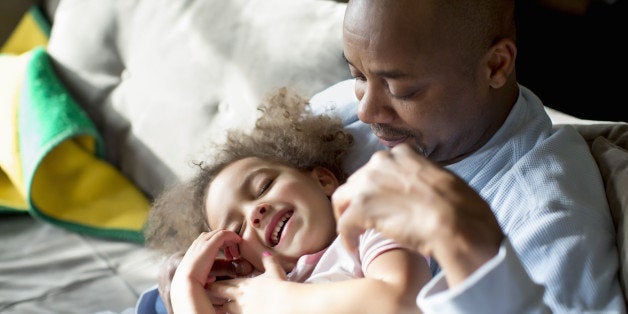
{"x":391,"y":74}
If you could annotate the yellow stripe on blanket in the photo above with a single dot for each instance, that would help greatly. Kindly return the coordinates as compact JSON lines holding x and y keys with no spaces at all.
{"x":60,"y":173}
{"x":71,"y":185}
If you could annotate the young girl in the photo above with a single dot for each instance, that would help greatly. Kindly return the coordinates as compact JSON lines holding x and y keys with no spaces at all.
{"x":265,"y":198}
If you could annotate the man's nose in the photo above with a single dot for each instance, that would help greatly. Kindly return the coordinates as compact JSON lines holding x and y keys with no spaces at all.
{"x":374,"y":105}
{"x":258,"y":214}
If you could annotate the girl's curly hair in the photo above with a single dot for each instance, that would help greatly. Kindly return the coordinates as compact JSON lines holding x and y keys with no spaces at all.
{"x":287,"y":132}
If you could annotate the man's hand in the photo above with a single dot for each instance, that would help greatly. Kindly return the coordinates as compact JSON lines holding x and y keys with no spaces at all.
{"x":221,"y":269}
{"x":421,"y":205}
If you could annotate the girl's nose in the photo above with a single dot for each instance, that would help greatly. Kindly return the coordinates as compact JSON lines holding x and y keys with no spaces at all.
{"x":258,"y":214}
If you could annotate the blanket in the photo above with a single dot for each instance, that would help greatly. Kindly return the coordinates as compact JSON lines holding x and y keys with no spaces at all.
{"x":51,"y":156}
{"x":32,"y":30}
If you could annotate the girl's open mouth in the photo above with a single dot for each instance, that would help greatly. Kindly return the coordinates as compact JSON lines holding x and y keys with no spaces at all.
{"x":275,"y":229}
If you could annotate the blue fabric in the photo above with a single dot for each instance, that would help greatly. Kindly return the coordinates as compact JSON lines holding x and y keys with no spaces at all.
{"x":150,"y":303}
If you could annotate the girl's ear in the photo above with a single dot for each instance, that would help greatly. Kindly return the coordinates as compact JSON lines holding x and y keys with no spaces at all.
{"x":326,"y":179}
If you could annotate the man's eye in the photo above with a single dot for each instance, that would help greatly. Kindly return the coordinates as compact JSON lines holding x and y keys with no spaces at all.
{"x":404,"y":96}
{"x":360,"y":78}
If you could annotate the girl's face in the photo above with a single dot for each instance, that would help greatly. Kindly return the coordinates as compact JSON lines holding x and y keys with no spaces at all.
{"x":274,"y":208}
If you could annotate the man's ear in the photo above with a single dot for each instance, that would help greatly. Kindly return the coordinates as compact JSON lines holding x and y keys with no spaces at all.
{"x":500,"y":61}
{"x":326,"y":179}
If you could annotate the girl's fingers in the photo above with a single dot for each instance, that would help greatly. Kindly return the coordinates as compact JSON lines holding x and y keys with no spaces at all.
{"x":272,"y":267}
{"x":224,"y":289}
{"x":231,"y":250}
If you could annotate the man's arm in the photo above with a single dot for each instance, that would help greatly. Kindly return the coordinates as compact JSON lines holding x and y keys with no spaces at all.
{"x":435,"y":212}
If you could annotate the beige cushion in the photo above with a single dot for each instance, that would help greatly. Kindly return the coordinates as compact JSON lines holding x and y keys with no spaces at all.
{"x":161,"y":77}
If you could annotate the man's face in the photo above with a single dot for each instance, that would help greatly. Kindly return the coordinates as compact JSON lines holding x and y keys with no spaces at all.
{"x":411,"y":88}
{"x":273,"y":208}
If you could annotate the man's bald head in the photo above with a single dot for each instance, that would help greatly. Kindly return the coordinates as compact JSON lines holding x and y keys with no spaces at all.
{"x":469,"y":27}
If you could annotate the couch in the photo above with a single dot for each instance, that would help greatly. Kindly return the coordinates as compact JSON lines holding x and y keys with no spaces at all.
{"x":160,"y":79}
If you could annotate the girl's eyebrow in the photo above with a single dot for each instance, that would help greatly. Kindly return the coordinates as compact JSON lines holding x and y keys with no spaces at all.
{"x":248,"y":179}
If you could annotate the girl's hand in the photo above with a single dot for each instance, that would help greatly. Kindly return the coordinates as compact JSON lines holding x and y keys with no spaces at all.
{"x":252,"y":295}
{"x":221,"y":268}
{"x":194,"y":271}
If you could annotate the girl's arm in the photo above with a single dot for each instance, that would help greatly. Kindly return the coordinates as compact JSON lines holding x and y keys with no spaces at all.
{"x":391,"y":284}
{"x":187,"y":291}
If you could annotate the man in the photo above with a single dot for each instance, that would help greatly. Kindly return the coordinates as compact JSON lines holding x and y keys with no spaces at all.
{"x":513,"y":211}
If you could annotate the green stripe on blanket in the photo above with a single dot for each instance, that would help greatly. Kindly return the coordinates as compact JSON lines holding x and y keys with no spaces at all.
{"x":50,"y":157}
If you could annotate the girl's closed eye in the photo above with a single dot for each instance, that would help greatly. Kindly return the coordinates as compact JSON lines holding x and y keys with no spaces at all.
{"x":240,"y":229}
{"x":264,"y":187}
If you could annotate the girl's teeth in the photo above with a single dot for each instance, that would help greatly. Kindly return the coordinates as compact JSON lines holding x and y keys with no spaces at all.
{"x":275,"y":236}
